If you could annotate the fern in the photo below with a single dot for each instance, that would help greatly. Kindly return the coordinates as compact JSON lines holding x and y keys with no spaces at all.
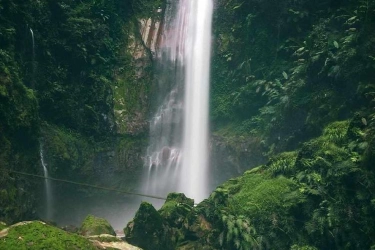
{"x":239,"y":234}
{"x":283,"y":163}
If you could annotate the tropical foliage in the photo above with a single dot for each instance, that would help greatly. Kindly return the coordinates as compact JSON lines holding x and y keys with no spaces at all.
{"x":61,"y":63}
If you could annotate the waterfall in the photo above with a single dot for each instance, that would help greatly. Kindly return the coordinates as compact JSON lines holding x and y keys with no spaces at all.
{"x":33,"y":58}
{"x":197,"y":76}
{"x":177,"y":158}
{"x":33,"y":42}
{"x":47,"y":183}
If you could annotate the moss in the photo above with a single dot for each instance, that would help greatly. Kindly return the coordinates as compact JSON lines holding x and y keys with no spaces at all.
{"x":37,"y":235}
{"x":260,"y":195}
{"x":65,"y":149}
{"x":2,"y":225}
{"x":96,"y":226}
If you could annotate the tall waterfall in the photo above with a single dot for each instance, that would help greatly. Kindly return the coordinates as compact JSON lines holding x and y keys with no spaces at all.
{"x":177,"y":159}
{"x":48,"y":188}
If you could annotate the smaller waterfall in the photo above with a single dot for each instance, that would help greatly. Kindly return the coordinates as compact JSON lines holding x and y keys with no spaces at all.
{"x":33,"y":42}
{"x":33,"y":58}
{"x":48,"y":207}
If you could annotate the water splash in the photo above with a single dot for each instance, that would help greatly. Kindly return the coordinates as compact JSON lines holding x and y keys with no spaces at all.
{"x":177,"y":158}
{"x":48,"y":188}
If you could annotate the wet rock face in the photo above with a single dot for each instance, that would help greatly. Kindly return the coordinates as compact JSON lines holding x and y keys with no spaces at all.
{"x":232,"y":155}
{"x":166,"y":153}
{"x":95,"y":226}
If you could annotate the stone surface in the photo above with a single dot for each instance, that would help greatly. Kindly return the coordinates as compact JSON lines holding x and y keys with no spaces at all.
{"x":106,"y":241}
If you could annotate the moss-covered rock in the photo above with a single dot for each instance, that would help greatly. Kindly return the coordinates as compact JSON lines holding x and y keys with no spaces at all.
{"x":175,"y":209}
{"x":95,"y":226}
{"x":38,"y":235}
{"x":147,"y":229}
{"x":196,"y":226}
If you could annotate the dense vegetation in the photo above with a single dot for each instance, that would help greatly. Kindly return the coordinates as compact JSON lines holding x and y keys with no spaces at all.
{"x":282,"y":70}
{"x":64,"y":68}
{"x":294,"y":78}
{"x":292,"y":87}
{"x":318,"y":197}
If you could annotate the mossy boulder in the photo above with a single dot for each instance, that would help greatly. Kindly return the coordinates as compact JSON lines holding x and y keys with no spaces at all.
{"x":176,"y":208}
{"x":196,"y":226}
{"x":147,"y":230}
{"x":95,"y":226}
{"x":38,"y":235}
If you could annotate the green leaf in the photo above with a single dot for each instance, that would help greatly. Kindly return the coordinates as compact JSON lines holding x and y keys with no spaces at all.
{"x":364,"y":121}
{"x":238,"y":6}
{"x":336,"y":44}
{"x":285,"y":75}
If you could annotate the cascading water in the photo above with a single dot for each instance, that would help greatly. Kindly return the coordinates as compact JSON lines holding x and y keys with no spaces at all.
{"x":47,"y":183}
{"x":194,"y":181}
{"x":33,"y":58}
{"x":177,"y":157}
{"x":33,"y":42}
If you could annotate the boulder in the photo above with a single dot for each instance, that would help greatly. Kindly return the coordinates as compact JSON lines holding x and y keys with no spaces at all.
{"x":175,"y":209}
{"x":95,"y":226}
{"x":147,"y":230}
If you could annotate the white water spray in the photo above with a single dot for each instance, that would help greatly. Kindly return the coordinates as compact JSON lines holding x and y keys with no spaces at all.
{"x":47,"y":183}
{"x":177,"y":158}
